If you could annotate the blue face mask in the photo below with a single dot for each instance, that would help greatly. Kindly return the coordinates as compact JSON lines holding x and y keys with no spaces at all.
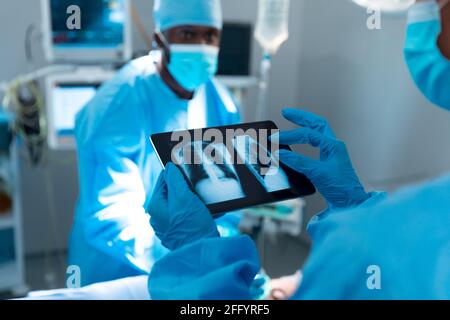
{"x":193,"y":65}
{"x":429,"y":68}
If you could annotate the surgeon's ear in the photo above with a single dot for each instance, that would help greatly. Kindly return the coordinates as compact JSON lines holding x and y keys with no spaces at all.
{"x":157,"y":40}
{"x":444,"y":38}
{"x":163,"y":46}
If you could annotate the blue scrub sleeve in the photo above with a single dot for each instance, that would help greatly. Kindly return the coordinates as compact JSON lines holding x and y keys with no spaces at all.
{"x":119,"y":226}
{"x":110,"y":151}
{"x":210,"y":269}
{"x":313,"y":227}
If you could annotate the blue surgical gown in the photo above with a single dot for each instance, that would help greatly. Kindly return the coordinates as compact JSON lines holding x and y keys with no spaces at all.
{"x":395,"y":247}
{"x":111,"y":236}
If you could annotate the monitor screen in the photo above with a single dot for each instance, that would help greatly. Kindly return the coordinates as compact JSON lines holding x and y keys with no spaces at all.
{"x":102,"y":23}
{"x":67,"y":101}
{"x":235,"y":50}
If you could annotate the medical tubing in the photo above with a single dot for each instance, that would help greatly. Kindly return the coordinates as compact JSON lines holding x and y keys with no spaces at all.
{"x":263,"y":98}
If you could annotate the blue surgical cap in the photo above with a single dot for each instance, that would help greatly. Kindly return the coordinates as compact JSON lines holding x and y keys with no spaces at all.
{"x":174,"y":13}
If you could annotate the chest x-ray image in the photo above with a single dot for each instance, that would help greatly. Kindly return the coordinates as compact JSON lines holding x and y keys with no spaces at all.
{"x":217,"y":176}
{"x":210,"y":170}
{"x":261,"y":163}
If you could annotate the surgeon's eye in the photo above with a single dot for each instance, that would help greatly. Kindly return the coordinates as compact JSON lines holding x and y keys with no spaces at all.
{"x":187,"y":35}
{"x":212,"y":37}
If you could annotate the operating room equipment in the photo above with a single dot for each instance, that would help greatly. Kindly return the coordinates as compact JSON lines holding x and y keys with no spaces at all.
{"x":270,"y":222}
{"x":5,"y":176}
{"x":37,"y":74}
{"x":272,"y":24}
{"x":235,"y":59}
{"x":104,"y":35}
{"x":285,"y":217}
{"x":66,"y":94}
{"x":5,"y":197}
{"x":425,"y":61}
{"x":5,"y":131}
{"x":5,"y":185}
{"x":25,"y":102}
{"x":236,"y":47}
{"x":271,"y":32}
{"x":29,"y":118}
{"x":7,"y":250}
{"x":12,"y":275}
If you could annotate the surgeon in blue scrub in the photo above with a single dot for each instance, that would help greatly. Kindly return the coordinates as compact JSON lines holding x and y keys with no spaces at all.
{"x":118,"y":168}
{"x":365,"y":245}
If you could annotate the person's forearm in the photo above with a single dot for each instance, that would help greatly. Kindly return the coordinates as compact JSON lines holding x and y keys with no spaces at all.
{"x":122,"y":231}
{"x":316,"y":226}
{"x":214,"y":268}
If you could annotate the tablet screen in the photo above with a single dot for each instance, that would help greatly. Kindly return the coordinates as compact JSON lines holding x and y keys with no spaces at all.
{"x":232,"y":167}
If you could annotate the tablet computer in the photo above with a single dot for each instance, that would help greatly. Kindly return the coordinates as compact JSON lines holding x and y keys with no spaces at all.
{"x":232,"y":167}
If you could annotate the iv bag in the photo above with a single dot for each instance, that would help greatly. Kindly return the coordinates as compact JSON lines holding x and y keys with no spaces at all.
{"x":272,"y":25}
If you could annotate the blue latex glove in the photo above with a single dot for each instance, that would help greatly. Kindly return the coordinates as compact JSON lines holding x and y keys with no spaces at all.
{"x":178,"y":216}
{"x":259,"y":288}
{"x":333,"y":175}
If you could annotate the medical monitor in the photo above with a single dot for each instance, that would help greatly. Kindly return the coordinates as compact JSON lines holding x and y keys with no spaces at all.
{"x":235,"y":50}
{"x":87,"y":31}
{"x":66,"y":95}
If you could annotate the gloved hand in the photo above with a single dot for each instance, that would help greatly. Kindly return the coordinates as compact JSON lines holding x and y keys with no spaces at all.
{"x":178,"y":216}
{"x":259,"y":287}
{"x":333,"y":175}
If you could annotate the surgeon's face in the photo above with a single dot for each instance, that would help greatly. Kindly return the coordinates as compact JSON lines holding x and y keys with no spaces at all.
{"x":193,"y":35}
